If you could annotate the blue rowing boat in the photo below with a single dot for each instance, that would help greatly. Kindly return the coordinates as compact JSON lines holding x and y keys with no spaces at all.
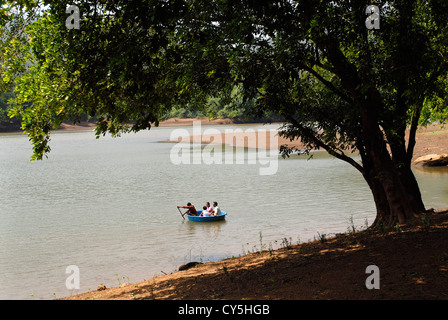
{"x":198,"y":218}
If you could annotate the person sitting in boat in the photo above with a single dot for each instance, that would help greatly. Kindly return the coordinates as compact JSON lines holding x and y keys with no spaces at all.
{"x":216,"y":210}
{"x":205,"y":212}
{"x":191,"y":209}
{"x":209,"y":208}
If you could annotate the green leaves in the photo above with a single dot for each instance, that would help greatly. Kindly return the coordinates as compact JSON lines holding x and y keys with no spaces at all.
{"x":312,"y":62}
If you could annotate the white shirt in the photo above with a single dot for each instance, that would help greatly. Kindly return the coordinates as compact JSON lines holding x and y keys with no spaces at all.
{"x":216,"y":211}
{"x":205,"y":213}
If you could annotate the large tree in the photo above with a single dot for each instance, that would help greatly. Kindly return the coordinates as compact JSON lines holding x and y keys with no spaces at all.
{"x":339,"y":84}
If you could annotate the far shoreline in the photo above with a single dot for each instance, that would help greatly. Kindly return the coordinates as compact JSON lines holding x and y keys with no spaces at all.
{"x":430,"y":139}
{"x":173,"y":122}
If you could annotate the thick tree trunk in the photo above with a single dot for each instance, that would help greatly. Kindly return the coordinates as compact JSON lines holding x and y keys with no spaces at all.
{"x":410,"y":184}
{"x":396,"y":193}
{"x":388,"y":172}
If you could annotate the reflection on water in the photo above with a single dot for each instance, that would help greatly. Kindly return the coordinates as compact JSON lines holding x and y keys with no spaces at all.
{"x":433,"y":182}
{"x":439,"y":171}
{"x":108,"y":206}
{"x":210,"y":231}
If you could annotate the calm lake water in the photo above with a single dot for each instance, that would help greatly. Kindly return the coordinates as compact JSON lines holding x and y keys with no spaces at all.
{"x":108,"y":206}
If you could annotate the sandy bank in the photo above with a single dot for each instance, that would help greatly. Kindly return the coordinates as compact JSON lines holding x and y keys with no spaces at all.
{"x":175,"y":122}
{"x":263,"y":139}
{"x":189,"y":122}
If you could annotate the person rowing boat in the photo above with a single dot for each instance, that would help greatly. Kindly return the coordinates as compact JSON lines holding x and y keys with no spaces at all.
{"x":191,"y":209}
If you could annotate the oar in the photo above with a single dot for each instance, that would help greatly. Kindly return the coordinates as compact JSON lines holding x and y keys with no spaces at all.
{"x":182,"y":214}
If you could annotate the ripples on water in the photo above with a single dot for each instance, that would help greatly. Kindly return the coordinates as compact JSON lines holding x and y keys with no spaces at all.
{"x":109,"y":207}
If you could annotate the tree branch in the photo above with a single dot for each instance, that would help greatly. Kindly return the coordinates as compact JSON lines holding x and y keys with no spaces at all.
{"x":327,"y":83}
{"x":319,"y":143}
{"x":412,"y":133}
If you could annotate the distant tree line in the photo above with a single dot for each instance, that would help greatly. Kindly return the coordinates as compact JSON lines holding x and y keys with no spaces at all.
{"x":233,"y":107}
{"x":216,"y":108}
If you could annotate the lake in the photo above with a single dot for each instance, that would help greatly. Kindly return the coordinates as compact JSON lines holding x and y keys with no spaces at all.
{"x":108,"y":206}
